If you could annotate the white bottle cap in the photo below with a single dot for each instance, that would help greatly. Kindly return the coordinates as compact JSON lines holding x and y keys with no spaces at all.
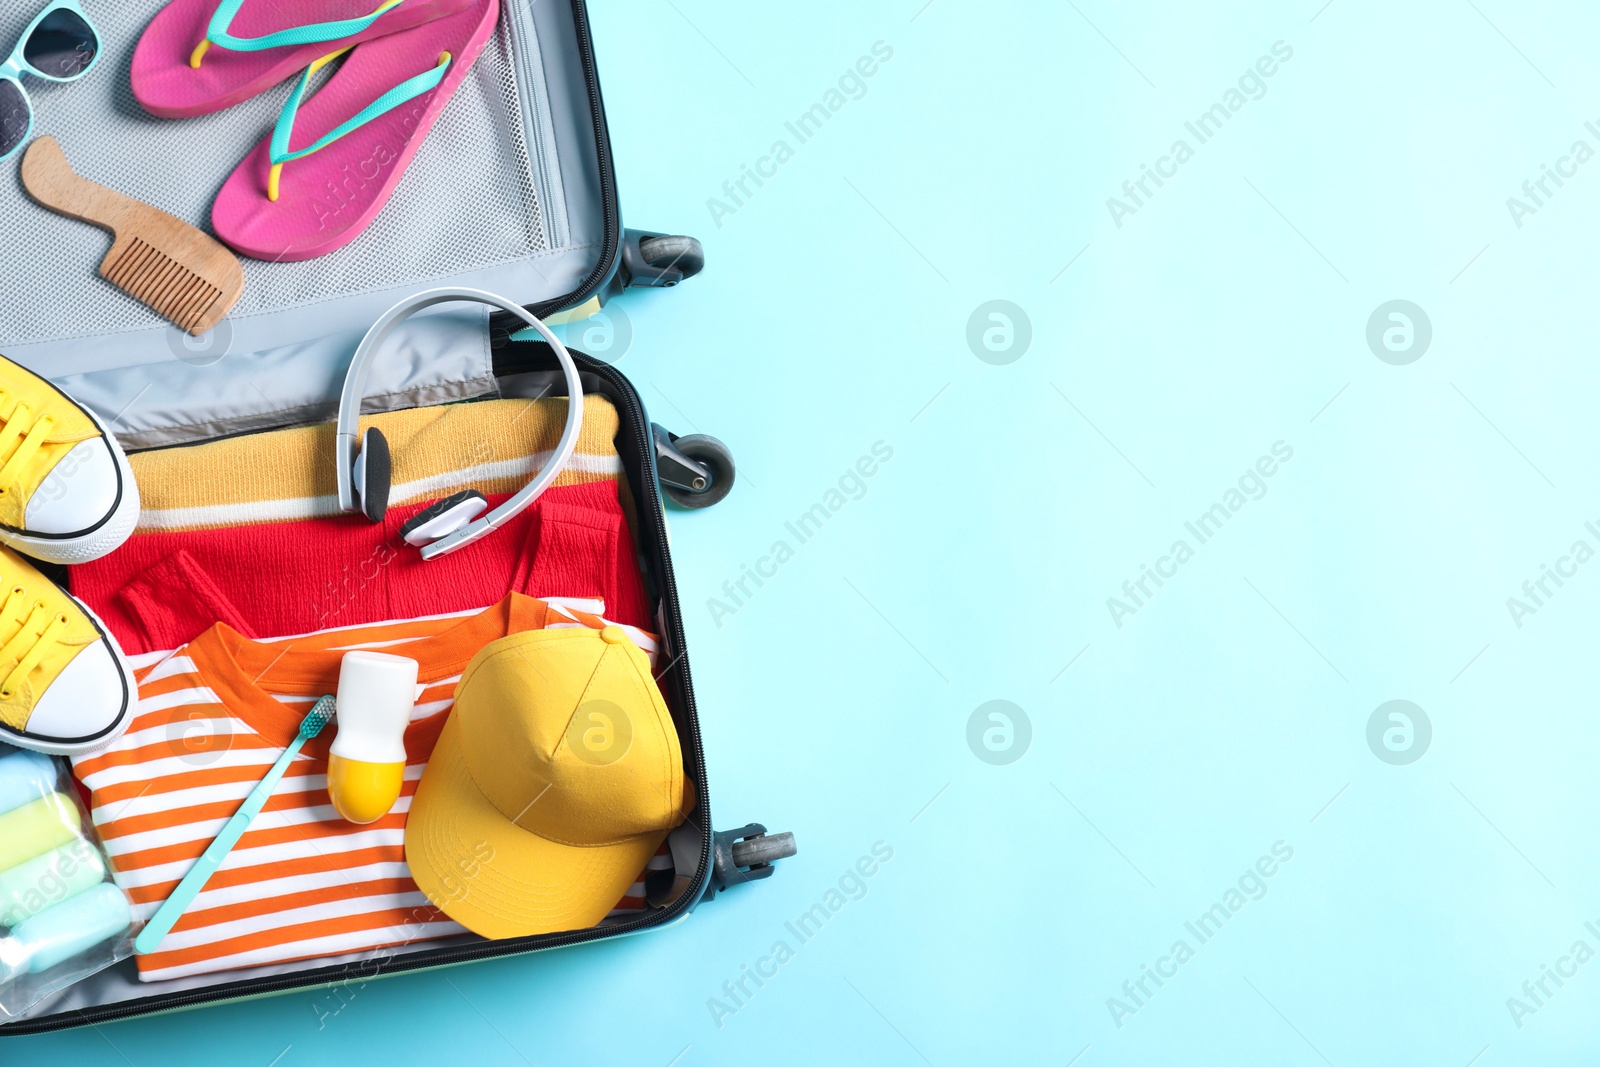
{"x":376,"y":694}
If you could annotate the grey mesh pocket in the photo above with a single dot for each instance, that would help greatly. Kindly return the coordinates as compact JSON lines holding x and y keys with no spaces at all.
{"x":469,"y":201}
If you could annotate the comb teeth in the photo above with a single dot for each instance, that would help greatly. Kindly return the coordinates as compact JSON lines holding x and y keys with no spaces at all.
{"x":172,"y":290}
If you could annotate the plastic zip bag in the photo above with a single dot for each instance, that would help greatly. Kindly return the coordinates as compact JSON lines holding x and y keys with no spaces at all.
{"x":62,"y":917}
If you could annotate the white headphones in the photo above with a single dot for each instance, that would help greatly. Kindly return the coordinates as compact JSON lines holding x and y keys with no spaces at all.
{"x":364,"y":477}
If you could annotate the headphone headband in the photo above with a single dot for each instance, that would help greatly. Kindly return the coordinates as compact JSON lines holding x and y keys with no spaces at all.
{"x":354,"y":392}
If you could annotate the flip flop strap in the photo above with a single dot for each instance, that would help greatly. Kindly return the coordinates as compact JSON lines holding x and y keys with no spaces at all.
{"x":314,"y":33}
{"x":405,"y":92}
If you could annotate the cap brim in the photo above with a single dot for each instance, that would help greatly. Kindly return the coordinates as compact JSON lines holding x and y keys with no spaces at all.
{"x":497,"y":879}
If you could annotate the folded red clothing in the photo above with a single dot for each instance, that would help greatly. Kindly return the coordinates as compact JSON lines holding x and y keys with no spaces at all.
{"x":162,"y":588}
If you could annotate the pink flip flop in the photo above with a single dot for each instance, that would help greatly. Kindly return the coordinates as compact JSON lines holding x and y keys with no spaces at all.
{"x":335,"y":159}
{"x":200,"y":56}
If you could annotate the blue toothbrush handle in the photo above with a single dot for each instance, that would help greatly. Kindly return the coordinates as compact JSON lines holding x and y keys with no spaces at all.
{"x":166,"y":916}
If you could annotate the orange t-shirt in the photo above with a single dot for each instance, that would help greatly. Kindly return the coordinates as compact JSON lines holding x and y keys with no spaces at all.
{"x":301,"y":883}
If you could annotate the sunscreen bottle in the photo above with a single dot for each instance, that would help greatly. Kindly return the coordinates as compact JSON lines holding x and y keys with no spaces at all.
{"x":367,"y":760}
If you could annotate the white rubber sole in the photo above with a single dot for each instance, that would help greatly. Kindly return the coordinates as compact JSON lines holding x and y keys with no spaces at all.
{"x":118,"y":728}
{"x":100,"y":542}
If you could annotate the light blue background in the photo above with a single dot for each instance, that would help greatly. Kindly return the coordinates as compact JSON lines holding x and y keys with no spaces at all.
{"x":1230,"y":712}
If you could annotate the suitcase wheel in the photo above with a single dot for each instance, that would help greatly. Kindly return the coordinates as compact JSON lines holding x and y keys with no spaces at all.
{"x":683,"y":253}
{"x":763,"y":849}
{"x":695,"y":471}
{"x":746,"y":855}
{"x":658,"y":260}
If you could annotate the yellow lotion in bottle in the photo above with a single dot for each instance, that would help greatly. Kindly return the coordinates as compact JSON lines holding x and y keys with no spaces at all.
{"x":367,"y":760}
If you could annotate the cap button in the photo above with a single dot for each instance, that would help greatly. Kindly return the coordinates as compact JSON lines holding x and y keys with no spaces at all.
{"x":613,"y":635}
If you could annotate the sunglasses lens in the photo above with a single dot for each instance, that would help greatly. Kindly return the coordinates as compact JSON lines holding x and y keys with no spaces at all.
{"x":62,"y":45}
{"x":15,"y":116}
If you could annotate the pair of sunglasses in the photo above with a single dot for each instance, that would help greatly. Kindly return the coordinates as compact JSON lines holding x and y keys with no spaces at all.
{"x":60,"y":45}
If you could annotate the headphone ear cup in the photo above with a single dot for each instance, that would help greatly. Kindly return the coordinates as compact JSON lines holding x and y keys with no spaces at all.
{"x":372,"y":475}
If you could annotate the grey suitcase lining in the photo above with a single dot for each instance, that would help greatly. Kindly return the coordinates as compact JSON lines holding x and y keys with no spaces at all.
{"x":502,"y":196}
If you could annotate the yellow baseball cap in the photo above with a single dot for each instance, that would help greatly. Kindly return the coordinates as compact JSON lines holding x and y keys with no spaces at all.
{"x":555,"y":779}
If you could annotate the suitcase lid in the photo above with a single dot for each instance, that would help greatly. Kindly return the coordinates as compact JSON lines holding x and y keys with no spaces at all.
{"x":511,"y":192}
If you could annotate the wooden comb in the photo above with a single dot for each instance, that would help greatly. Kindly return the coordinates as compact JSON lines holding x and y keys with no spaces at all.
{"x":185,"y":276}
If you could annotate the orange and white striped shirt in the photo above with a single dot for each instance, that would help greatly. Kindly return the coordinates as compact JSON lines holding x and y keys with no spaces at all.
{"x":301,"y":883}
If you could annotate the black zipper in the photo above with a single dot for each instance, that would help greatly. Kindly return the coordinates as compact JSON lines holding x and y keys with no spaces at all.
{"x":655,"y":527}
{"x":610,"y":213}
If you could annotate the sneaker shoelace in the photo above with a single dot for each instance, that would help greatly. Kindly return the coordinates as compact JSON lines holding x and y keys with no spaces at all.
{"x":36,"y":631}
{"x":20,"y":441}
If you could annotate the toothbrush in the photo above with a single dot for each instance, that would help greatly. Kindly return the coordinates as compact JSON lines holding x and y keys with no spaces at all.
{"x":162,"y":922}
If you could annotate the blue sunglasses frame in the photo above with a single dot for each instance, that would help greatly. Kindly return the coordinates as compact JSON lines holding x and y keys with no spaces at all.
{"x":16,"y":65}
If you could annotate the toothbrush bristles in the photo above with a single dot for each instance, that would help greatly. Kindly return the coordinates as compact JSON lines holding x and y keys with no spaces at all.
{"x":320,"y":715}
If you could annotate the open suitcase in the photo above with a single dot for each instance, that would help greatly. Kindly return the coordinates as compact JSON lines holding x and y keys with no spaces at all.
{"x":514,"y":193}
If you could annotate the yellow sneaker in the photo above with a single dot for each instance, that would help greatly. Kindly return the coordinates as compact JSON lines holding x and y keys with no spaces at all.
{"x":66,"y":493}
{"x":64,"y":686}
